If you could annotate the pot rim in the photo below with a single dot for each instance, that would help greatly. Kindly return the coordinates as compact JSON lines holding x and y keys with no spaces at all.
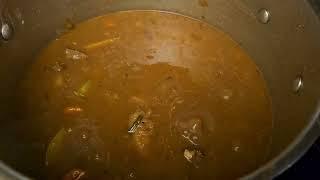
{"x":301,"y":144}
{"x":277,"y":165}
{"x":292,"y":153}
{"x":271,"y":169}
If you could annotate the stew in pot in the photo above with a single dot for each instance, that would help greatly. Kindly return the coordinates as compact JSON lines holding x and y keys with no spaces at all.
{"x":147,"y":95}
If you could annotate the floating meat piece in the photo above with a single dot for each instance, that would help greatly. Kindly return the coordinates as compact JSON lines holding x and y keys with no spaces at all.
{"x":191,"y":129}
{"x":192,"y":122}
{"x":58,"y":66}
{"x":75,"y":54}
{"x":142,"y":137}
{"x":193,"y":156}
{"x":75,"y":174}
{"x":141,"y":128}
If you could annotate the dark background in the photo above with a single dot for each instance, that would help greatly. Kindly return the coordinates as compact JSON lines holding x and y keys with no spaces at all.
{"x":308,"y":167}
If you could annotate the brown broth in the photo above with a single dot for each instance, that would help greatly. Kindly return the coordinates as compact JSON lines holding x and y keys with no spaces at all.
{"x":201,"y":97}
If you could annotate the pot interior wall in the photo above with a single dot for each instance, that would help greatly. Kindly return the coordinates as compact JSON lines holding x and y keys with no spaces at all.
{"x":285,"y":47}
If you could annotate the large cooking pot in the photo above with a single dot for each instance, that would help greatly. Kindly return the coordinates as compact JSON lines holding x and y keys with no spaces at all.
{"x":281,"y":36}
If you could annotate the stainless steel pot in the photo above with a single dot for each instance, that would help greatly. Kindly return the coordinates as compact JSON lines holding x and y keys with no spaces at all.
{"x":281,"y":36}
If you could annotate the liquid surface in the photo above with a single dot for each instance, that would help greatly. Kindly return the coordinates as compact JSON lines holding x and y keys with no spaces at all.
{"x":147,"y":95}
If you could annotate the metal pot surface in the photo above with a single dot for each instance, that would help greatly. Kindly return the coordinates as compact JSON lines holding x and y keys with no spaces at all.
{"x":281,"y":36}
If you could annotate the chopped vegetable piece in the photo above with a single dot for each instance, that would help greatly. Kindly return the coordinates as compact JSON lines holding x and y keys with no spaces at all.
{"x":82,"y":91}
{"x":102,"y":43}
{"x":72,"y":110}
{"x":137,"y":100}
{"x":79,"y":142}
{"x":55,"y":147}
